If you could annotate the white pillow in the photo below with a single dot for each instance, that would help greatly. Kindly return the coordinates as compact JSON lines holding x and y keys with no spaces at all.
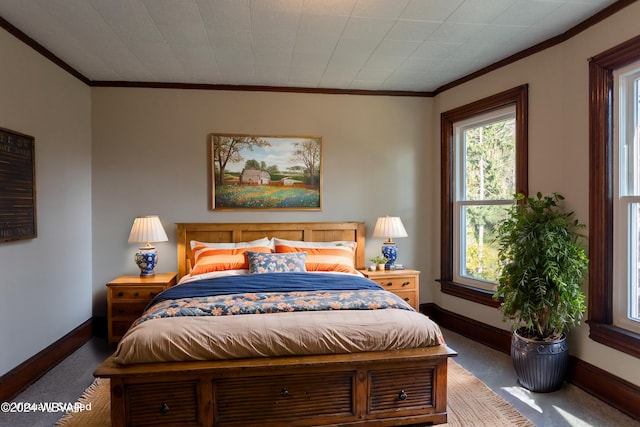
{"x":265,"y":242}
{"x":302,"y":244}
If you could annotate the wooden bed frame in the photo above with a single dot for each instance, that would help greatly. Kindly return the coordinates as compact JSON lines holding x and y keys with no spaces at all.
{"x":389,"y":388}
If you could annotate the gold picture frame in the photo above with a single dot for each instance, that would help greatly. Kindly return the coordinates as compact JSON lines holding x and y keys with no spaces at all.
{"x":265,"y":172}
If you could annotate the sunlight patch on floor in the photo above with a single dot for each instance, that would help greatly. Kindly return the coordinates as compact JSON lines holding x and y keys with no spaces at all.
{"x":571,"y":419}
{"x":524,"y":396}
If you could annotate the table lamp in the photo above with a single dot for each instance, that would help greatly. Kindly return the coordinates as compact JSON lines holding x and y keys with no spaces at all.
{"x":389,"y":227}
{"x":147,"y":229}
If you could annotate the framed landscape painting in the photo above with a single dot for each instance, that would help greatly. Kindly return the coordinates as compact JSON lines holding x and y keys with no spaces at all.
{"x":266,"y":172}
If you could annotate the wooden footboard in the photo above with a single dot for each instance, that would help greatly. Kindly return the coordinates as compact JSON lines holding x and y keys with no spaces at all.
{"x":391,"y":388}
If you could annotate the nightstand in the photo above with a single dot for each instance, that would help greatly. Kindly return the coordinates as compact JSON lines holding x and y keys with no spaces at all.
{"x":127,"y":297}
{"x":404,"y":283}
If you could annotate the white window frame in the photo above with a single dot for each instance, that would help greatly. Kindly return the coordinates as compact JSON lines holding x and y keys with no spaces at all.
{"x":626,"y":194}
{"x":459,"y":190}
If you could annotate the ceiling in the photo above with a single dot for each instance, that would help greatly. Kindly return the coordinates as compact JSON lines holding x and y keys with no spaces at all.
{"x":379,"y":45}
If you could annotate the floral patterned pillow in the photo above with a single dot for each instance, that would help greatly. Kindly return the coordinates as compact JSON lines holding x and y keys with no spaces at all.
{"x":260,"y":262}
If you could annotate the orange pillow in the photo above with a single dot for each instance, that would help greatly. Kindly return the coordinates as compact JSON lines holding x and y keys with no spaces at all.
{"x":339,"y":259}
{"x":209,"y":259}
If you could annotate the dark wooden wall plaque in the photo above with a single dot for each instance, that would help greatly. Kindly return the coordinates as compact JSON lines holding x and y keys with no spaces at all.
{"x":17,"y":186}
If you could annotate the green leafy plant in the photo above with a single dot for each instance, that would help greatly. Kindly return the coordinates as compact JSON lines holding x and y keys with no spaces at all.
{"x":543,"y":265}
{"x":379,"y":259}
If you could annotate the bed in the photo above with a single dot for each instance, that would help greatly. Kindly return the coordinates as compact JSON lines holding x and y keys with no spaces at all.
{"x":271,"y":376}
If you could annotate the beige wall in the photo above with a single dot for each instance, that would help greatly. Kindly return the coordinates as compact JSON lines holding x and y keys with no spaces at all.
{"x":558,"y":147}
{"x":150,"y":151}
{"x":45,"y":283}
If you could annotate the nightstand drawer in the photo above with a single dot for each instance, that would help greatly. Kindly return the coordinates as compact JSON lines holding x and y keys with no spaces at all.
{"x":395,"y":284}
{"x":408,"y":296}
{"x":145,"y":293}
{"x":120,"y":327}
{"x":127,"y":309}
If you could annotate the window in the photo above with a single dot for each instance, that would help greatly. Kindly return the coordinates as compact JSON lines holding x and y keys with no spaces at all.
{"x":484,"y":162}
{"x":626,"y":198}
{"x":614,"y":197}
{"x":484,"y":181}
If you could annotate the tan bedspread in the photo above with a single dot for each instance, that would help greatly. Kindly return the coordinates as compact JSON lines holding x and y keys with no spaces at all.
{"x":276,"y":334}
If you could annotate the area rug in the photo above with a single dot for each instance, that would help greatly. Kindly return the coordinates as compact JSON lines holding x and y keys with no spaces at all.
{"x":470,"y":403}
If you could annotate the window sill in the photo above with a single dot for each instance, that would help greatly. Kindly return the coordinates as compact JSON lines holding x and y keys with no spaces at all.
{"x":467,"y":292}
{"x":614,"y":337}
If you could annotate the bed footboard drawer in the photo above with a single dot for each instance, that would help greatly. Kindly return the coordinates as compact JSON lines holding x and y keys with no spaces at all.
{"x":401,"y":389}
{"x":163,"y":404}
{"x":280,"y":398}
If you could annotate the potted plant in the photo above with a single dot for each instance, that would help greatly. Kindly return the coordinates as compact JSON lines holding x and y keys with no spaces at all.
{"x":380,"y":261}
{"x":540,"y":286}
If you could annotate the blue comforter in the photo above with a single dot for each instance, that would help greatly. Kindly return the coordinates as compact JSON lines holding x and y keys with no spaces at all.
{"x":271,"y":293}
{"x":266,"y":282}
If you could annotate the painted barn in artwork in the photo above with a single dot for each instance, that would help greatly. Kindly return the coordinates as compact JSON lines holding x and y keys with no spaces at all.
{"x":255,"y":177}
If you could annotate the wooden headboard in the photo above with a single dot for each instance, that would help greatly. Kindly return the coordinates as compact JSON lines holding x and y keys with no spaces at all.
{"x":244,"y":232}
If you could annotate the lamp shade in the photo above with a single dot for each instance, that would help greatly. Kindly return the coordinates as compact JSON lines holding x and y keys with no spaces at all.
{"x":389,"y":227}
{"x":147,"y":229}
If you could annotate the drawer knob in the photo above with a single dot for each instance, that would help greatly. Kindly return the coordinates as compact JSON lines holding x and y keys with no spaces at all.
{"x":120,"y":294}
{"x":135,"y":294}
{"x":284,"y":392}
{"x":121,"y":310}
{"x":407,"y":299}
{"x":164,"y":408}
{"x":389,"y":283}
{"x":406,"y":283}
{"x":402,"y":395}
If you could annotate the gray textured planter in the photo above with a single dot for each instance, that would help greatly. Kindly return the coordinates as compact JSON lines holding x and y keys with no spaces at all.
{"x":540,"y":366}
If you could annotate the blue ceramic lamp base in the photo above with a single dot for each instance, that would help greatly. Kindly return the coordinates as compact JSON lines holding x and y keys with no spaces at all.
{"x":390,"y":251}
{"x":147,"y":259}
